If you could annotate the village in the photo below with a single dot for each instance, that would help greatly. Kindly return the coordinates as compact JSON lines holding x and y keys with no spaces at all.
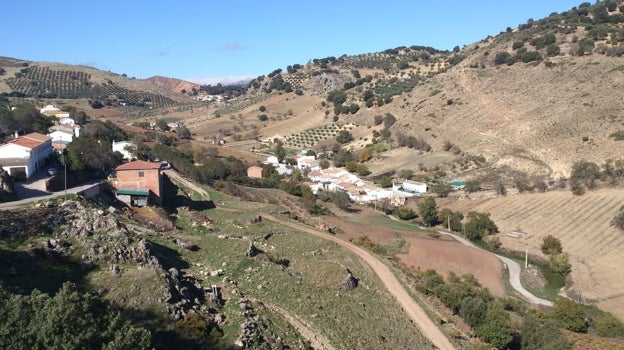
{"x":326,"y":177}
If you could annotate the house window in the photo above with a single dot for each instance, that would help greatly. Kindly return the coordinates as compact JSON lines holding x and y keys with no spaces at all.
{"x":141,"y":173}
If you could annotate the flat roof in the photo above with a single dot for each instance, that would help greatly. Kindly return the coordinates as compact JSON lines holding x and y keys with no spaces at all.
{"x":132,"y":191}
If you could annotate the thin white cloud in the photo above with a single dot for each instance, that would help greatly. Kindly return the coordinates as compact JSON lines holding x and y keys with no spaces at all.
{"x":223,"y":80}
{"x":235,"y":46}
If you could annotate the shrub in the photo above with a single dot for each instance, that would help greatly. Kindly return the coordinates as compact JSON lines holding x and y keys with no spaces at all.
{"x":479,"y":225}
{"x":551,"y":245}
{"x":618,"y":220}
{"x":472,"y":186}
{"x":263,"y":117}
{"x":405,"y":213}
{"x":501,"y":58}
{"x":569,"y":315}
{"x":606,"y":325}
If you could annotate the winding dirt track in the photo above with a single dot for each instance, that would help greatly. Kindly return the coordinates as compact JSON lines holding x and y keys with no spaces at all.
{"x":413,"y":310}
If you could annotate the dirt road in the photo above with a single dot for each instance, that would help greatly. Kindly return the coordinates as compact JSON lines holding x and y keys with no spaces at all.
{"x":413,"y":310}
{"x":317,"y":339}
{"x":174,"y":175}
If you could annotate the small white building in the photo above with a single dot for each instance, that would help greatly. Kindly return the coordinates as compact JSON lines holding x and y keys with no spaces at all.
{"x":127,"y":148}
{"x":53,"y":111}
{"x":67,"y":121}
{"x":26,"y":154}
{"x":272,"y":160}
{"x":411,"y":187}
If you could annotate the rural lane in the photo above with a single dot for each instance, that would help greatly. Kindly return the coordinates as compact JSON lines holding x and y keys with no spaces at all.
{"x":513,"y":267}
{"x":173,"y":174}
{"x":413,"y":310}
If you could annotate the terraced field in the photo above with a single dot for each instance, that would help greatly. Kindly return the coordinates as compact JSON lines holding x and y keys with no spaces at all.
{"x":582,"y":223}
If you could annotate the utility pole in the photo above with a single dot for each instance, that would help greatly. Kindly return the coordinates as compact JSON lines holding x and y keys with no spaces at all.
{"x":64,"y":161}
{"x":526,"y":258}
{"x":449,"y":222}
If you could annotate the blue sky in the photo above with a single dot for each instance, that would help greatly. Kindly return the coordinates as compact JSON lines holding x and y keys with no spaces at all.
{"x":207,"y":40}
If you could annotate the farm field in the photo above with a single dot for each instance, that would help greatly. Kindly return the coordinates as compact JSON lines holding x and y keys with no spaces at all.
{"x":582,"y":223}
{"x":423,"y":252}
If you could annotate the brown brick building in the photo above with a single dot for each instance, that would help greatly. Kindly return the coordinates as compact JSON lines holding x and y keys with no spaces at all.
{"x":138,"y":183}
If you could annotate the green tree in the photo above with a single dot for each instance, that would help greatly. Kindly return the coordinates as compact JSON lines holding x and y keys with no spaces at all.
{"x":618,"y":220}
{"x":362,"y":169}
{"x":86,"y":153}
{"x":551,"y":245}
{"x":280,"y":152}
{"x":405,"y":213}
{"x":442,"y":189}
{"x":344,"y":136}
{"x":538,"y":335}
{"x":607,"y":325}
{"x":389,"y":120}
{"x":560,"y":263}
{"x":585,"y":172}
{"x":473,"y":311}
{"x":341,"y":200}
{"x":479,"y":225}
{"x":472,"y":186}
{"x":496,"y":326}
{"x":162,"y":124}
{"x":428,"y":211}
{"x":569,"y":315}
{"x":68,"y":320}
{"x":183,"y":132}
{"x":454,"y":218}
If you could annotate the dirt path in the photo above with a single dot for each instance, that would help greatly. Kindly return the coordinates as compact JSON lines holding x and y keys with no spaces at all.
{"x":316,"y":338}
{"x":174,"y":175}
{"x":413,"y":310}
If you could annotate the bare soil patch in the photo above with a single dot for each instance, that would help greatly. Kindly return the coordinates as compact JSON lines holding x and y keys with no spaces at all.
{"x":441,"y":254}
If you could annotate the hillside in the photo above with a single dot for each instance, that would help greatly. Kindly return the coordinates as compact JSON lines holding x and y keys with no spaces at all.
{"x":530,"y":100}
{"x":174,"y":85}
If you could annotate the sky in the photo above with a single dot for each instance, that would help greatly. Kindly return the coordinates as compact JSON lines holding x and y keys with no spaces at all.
{"x":207,"y":41}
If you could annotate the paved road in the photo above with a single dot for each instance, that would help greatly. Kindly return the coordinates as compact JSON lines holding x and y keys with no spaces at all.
{"x":413,"y":310}
{"x":513,"y":267}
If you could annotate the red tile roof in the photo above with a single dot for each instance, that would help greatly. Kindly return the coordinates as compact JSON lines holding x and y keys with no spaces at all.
{"x":32,"y":140}
{"x":37,"y":137}
{"x":26,"y":142}
{"x":139,"y":165}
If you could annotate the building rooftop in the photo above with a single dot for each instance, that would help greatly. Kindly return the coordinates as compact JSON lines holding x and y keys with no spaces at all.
{"x":37,"y":137}
{"x":139,"y":165}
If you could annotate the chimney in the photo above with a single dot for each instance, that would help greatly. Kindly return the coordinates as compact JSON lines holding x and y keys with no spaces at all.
{"x":16,"y":134}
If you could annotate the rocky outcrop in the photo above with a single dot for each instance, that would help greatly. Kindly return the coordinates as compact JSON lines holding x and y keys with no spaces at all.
{"x":349,"y":283}
{"x":6,"y":184}
{"x":252,"y":250}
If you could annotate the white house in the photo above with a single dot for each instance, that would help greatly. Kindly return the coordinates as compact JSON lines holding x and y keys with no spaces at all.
{"x":26,"y":154}
{"x":67,"y":121}
{"x":60,"y":139}
{"x":127,"y":148}
{"x":272,"y":160}
{"x":411,"y":187}
{"x":305,"y":162}
{"x":52,"y":111}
